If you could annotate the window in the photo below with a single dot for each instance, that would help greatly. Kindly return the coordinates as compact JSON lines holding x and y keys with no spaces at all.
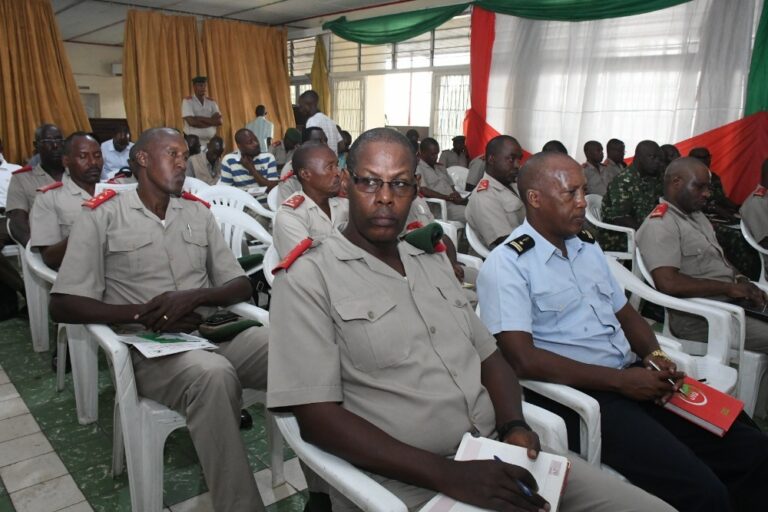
{"x":451,"y":93}
{"x":452,"y":42}
{"x":345,"y":55}
{"x":348,"y":104}
{"x":301,"y":53}
{"x":297,"y":90}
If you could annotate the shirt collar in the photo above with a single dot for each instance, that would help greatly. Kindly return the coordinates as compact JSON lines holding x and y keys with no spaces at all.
{"x":545,"y":249}
{"x":73,"y":188}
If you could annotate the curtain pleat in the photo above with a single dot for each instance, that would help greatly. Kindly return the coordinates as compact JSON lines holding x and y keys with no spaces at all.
{"x":161,"y":55}
{"x":37,"y":84}
{"x":319,"y":76}
{"x":247,"y":66}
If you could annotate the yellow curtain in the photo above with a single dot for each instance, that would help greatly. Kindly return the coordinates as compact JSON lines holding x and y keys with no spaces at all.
{"x":36,"y":82}
{"x":247,"y":66}
{"x":161,"y":55}
{"x":319,"y":77}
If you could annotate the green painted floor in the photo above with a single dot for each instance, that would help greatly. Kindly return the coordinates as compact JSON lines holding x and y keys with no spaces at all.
{"x":86,"y":451}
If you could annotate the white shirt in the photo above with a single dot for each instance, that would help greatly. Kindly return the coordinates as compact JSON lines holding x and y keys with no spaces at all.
{"x":329,"y":127}
{"x":6,"y":169}
{"x":113,"y":160}
{"x":262,"y":129}
{"x":192,"y":107}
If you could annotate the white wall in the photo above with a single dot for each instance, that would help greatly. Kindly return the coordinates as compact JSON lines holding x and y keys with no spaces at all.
{"x":92,"y":67}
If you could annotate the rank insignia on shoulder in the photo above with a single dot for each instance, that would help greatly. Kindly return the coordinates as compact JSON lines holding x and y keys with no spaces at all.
{"x":521,"y":244}
{"x":287,"y":176}
{"x":760,"y":191}
{"x":100,"y":199}
{"x":659,"y":211}
{"x":586,"y":236}
{"x":414,"y":225}
{"x":24,"y":169}
{"x":294,"y":201}
{"x":292,"y":256}
{"x":192,"y":197}
{"x":50,"y":186}
{"x":483,"y":185}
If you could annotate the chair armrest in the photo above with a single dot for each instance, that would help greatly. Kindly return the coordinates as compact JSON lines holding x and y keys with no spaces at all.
{"x":442,"y":204}
{"x":250,"y":312}
{"x":358,"y":487}
{"x":549,"y":426}
{"x":469,"y":261}
{"x":582,"y":404}
{"x":38,"y":266}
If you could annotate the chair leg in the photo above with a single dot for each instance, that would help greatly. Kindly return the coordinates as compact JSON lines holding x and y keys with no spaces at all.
{"x":275,"y":443}
{"x":61,"y":356}
{"x":148,"y":476}
{"x":118,"y":448}
{"x":37,"y":307}
{"x":84,"y":352}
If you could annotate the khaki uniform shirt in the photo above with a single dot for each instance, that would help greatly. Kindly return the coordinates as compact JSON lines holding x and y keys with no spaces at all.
{"x":125,"y":255}
{"x":494,"y":211}
{"x":23,"y":188}
{"x":199,"y":167}
{"x":599,"y":179}
{"x":449,"y":158}
{"x":754,"y":213}
{"x":292,"y":225}
{"x":420,"y":212}
{"x":403,"y":353}
{"x":54,"y":212}
{"x":476,"y":170}
{"x":287,"y":187}
{"x":190,"y":107}
{"x":437,"y":179}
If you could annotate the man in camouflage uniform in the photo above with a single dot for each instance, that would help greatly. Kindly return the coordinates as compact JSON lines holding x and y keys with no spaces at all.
{"x":632,"y":195}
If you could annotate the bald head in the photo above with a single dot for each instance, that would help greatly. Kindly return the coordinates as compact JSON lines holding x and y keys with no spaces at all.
{"x":149,"y":137}
{"x":687,"y":184}
{"x":539,"y":170}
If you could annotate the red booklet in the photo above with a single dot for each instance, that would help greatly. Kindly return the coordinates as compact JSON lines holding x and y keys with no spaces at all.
{"x":705,"y":406}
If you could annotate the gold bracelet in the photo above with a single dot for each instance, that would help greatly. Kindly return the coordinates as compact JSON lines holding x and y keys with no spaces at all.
{"x":659,"y":353}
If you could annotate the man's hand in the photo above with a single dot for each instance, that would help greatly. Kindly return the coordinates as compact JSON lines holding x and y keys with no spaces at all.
{"x":747,"y":290}
{"x":170,"y":309}
{"x":526,"y":438}
{"x":642,"y":384}
{"x":665,"y":365}
{"x":492,"y":485}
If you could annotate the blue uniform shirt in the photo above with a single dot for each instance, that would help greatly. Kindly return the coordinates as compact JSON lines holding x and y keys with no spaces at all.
{"x":567,"y":304}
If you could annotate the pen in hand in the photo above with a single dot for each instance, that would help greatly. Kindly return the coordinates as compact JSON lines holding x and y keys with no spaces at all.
{"x":656,"y":367}
{"x":526,"y":490}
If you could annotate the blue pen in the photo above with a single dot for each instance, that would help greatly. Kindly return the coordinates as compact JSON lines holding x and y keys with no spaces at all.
{"x":526,"y":490}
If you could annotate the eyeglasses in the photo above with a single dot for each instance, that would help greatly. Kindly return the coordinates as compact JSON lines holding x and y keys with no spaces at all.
{"x":372,"y":185}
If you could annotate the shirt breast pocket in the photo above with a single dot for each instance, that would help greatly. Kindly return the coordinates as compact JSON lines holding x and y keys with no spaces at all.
{"x":125,"y":253}
{"x":456,"y":305}
{"x":371,"y":333}
{"x":196,"y":246}
{"x":691,"y":261}
{"x":552,"y":308}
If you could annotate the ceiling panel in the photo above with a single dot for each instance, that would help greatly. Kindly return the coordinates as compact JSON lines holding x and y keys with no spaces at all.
{"x":87,"y":16}
{"x":113,"y":35}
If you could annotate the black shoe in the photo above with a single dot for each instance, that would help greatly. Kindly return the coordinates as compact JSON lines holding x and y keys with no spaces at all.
{"x":246,"y":421}
{"x":318,"y":502}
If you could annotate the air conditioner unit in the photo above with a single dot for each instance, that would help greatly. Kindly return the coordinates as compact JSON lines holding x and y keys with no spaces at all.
{"x":117,"y":69}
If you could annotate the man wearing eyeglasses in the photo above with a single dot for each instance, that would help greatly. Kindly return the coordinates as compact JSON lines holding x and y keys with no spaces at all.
{"x":376,"y":351}
{"x":22,"y":191}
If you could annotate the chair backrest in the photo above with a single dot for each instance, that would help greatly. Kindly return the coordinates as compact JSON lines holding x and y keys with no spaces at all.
{"x":271,"y":259}
{"x":762,"y":251}
{"x":272,"y":199}
{"x":117,"y":187}
{"x":235,"y":224}
{"x":194,"y":185}
{"x":459,"y":176}
{"x":441,"y":204}
{"x":643,"y":269}
{"x":594,"y":207}
{"x":233,"y":197}
{"x":475,"y":243}
{"x":36,"y":264}
{"x":450,"y":231}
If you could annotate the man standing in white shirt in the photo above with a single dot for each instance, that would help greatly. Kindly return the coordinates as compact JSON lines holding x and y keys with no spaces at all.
{"x":261,"y":128}
{"x":201,"y":114}
{"x":6,"y":168}
{"x":308,"y":106}
{"x":115,"y":152}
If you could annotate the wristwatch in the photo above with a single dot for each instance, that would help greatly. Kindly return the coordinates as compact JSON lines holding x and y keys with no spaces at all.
{"x":507,"y":427}
{"x":659,"y":353}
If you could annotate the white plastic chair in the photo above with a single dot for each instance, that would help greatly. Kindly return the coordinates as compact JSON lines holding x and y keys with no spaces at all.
{"x":72,"y":339}
{"x":450,"y":231}
{"x":371,"y":496}
{"x":234,"y":225}
{"x":224,"y":195}
{"x":194,"y":185}
{"x":271,"y":259}
{"x":117,"y":187}
{"x":11,"y":251}
{"x":752,"y":365}
{"x":272,"y":199}
{"x":142,"y":425}
{"x":459,"y":176}
{"x":475,"y":243}
{"x":36,"y":290}
{"x":759,"y":248}
{"x":594,"y":216}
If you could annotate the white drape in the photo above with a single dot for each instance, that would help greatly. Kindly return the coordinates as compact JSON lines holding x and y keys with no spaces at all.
{"x":665,"y":75}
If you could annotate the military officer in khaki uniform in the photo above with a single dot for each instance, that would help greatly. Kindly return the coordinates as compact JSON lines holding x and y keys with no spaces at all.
{"x":598,"y":174}
{"x":288,"y":182}
{"x":495,"y":209}
{"x":207,"y":166}
{"x":679,"y":248}
{"x":148,"y":257}
{"x":378,"y":354}
{"x":22,"y":190}
{"x":436,"y":182}
{"x":475,"y":173}
{"x":315,"y":211}
{"x":754,"y":211}
{"x":201,"y":114}
{"x":58,"y":204}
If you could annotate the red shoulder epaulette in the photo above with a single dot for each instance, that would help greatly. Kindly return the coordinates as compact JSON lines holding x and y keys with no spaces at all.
{"x":660,"y":210}
{"x":483,"y":185}
{"x":294,"y":201}
{"x":122,"y":173}
{"x":102,"y":198}
{"x":414,"y":225}
{"x":192,"y":197}
{"x":26,"y":168}
{"x":760,"y":191}
{"x":287,"y":176}
{"x":50,"y":186}
{"x":292,"y":256}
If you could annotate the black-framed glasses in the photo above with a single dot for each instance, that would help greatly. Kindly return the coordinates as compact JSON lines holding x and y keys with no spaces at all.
{"x":372,"y":185}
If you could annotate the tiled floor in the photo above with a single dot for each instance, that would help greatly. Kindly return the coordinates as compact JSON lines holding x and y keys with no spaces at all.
{"x":49,"y":462}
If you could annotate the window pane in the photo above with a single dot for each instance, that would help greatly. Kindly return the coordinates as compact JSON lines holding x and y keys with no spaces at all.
{"x":301,"y":53}
{"x":348,"y":105}
{"x":375,"y":57}
{"x":452,"y":103}
{"x":344,"y":55}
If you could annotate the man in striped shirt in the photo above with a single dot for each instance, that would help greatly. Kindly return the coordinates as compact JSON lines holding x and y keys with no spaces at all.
{"x":249,"y":167}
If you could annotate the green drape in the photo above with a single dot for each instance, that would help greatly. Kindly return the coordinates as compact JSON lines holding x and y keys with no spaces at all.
{"x":575,"y":10}
{"x":393,"y":28}
{"x":757,"y":86}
